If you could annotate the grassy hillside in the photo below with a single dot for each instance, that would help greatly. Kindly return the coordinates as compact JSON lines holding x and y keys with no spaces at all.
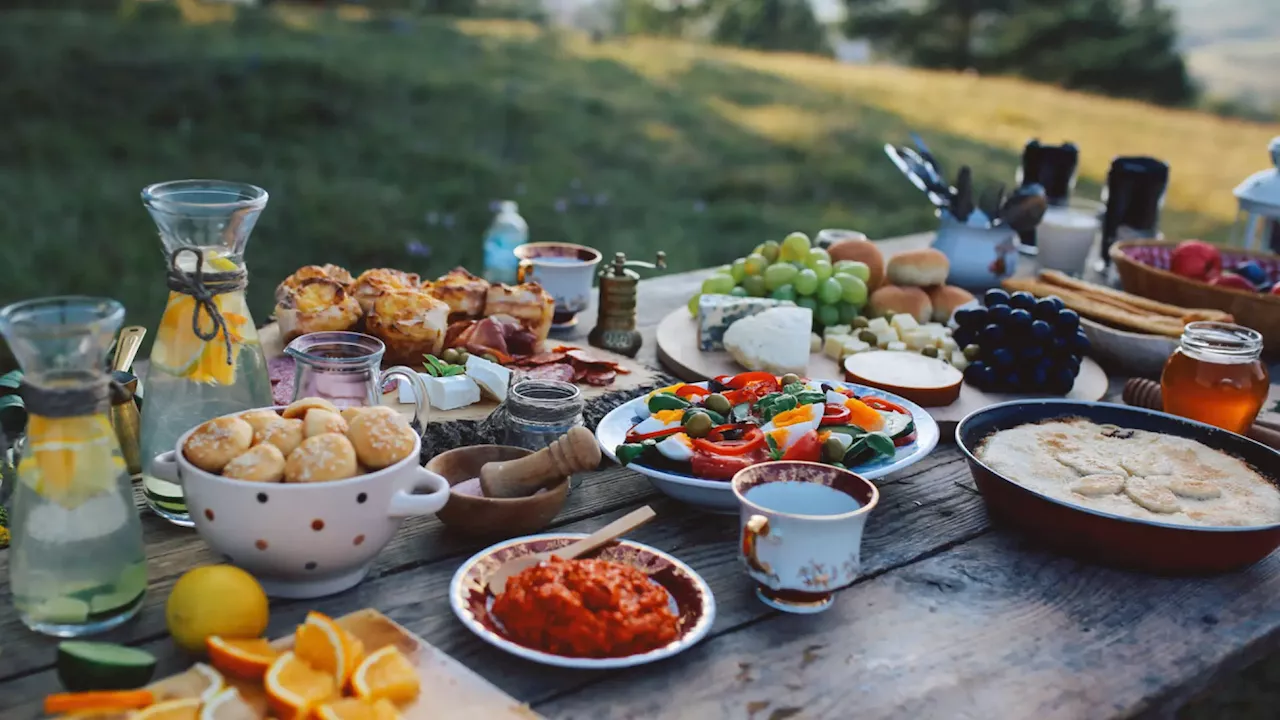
{"x":375,"y":137}
{"x":1233,"y":46}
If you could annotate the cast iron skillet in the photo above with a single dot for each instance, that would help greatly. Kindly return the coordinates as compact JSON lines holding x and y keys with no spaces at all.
{"x":1142,"y":545}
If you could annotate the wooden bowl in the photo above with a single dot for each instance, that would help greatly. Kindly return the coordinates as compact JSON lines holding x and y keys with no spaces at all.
{"x":493,"y":518}
{"x":1144,"y":270}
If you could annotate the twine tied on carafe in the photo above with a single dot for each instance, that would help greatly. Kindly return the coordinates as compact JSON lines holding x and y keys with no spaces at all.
{"x":203,"y":287}
{"x":65,"y":402}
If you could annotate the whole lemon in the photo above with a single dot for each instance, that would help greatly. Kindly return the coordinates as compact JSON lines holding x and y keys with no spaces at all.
{"x":215,"y":600}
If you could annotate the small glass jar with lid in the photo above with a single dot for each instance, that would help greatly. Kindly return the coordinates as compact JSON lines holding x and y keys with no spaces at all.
{"x":1258,"y":226}
{"x":1216,"y":376}
{"x":539,"y":412}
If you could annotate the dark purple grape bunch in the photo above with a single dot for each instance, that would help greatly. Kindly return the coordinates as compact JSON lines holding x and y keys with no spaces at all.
{"x":1017,"y":343}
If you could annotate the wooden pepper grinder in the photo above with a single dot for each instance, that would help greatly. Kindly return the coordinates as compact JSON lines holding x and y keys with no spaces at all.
{"x":575,"y":451}
{"x":615,"y":328}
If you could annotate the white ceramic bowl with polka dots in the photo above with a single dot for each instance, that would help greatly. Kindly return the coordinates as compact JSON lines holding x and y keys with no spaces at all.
{"x":304,"y":540}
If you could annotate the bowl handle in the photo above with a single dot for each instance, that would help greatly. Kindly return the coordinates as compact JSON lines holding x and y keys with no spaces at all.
{"x":406,"y":502}
{"x":165,"y":467}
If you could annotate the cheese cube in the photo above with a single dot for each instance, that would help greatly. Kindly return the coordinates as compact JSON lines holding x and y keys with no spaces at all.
{"x":903,"y":322}
{"x":451,"y":393}
{"x":836,"y":330}
{"x":492,"y":378}
{"x":948,"y":345}
{"x":959,"y":361}
{"x":877,"y":325}
{"x":833,"y":347}
{"x":815,"y":343}
{"x":916,"y":339}
{"x":896,"y":345}
{"x":887,"y":335}
{"x":853,"y":346}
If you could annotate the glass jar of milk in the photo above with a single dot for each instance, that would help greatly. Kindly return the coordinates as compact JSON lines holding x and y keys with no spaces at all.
{"x":1068,"y":233}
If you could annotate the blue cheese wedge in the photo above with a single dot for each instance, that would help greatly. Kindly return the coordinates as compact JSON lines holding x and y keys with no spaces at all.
{"x":776,"y":340}
{"x":717,"y":312}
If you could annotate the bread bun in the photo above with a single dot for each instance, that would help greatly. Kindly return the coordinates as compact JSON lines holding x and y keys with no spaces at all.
{"x":896,"y":299}
{"x":285,"y":434}
{"x":217,"y":442}
{"x":863,"y":251}
{"x":260,"y":463}
{"x":381,"y":439}
{"x":319,"y":421}
{"x":945,"y":299}
{"x":919,"y":268}
{"x":321,"y":458}
{"x":298,"y":408}
{"x":259,"y":419}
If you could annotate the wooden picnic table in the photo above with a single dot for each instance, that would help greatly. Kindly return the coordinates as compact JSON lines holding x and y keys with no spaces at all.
{"x":950,"y":619}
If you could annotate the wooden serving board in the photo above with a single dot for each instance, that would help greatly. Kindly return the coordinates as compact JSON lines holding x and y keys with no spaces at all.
{"x":639,"y":377}
{"x":448,"y":688}
{"x":678,"y":350}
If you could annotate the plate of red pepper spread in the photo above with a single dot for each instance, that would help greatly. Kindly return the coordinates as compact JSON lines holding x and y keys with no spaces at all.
{"x":626,"y":605}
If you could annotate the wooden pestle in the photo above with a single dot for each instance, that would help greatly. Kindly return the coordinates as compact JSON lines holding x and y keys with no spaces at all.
{"x":1139,"y":392}
{"x":575,"y":451}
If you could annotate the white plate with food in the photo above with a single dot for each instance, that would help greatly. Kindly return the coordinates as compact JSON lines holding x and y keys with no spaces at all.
{"x":756,"y":417}
{"x":670,"y":607}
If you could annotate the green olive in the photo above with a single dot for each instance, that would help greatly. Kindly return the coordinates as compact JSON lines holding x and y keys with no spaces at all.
{"x":972,"y":352}
{"x":490,"y":357}
{"x":888,"y":315}
{"x":868,"y":337}
{"x":929,"y":352}
{"x":718,"y":403}
{"x":450,"y":356}
{"x":463,"y":356}
{"x":699,"y":425}
{"x":860,"y":323}
{"x":832,"y":450}
{"x":790,"y":378}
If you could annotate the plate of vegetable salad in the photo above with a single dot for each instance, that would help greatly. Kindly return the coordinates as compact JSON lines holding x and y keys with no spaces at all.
{"x":690,"y":439}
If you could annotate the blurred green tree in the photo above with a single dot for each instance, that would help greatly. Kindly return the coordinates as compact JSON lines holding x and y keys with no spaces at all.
{"x":770,"y":25}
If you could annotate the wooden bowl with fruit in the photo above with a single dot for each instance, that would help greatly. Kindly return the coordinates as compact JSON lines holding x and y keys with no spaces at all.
{"x":1197,"y":274}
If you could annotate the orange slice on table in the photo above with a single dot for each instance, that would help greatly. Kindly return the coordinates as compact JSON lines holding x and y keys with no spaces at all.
{"x":229,"y":705}
{"x":242,"y":657}
{"x":322,"y":643}
{"x":294,"y":688}
{"x":388,"y":674}
{"x":200,"y":682}
{"x":185,"y":709}
{"x":358,"y":709}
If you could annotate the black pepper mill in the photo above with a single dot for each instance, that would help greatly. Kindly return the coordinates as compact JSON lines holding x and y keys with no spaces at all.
{"x":615,"y":328}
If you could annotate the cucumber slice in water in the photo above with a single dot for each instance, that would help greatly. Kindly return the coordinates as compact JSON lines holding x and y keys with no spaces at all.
{"x":103,"y":666}
{"x":113,"y":602}
{"x":61,"y":610}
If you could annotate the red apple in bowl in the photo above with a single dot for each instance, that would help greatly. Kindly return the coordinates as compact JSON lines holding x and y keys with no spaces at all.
{"x":1233,"y":281}
{"x":1196,"y":260}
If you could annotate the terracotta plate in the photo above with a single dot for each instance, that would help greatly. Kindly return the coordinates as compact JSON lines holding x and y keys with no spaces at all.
{"x":689,"y":595}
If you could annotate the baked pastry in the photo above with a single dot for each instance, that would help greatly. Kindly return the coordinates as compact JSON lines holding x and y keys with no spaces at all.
{"x":315,"y":305}
{"x":381,"y":439}
{"x":863,"y":251}
{"x":321,"y":458}
{"x":945,"y":299}
{"x":284,"y":433}
{"x":373,"y":283}
{"x":259,"y":419}
{"x":260,"y":463}
{"x":463,"y":292}
{"x":918,"y":268}
{"x":298,"y":408}
{"x":313,"y":272}
{"x":528,"y":303}
{"x":411,"y":323}
{"x":217,"y":442}
{"x":319,"y":421}
{"x":896,"y":299}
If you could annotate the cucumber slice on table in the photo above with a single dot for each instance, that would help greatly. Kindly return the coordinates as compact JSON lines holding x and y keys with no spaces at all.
{"x":103,"y":666}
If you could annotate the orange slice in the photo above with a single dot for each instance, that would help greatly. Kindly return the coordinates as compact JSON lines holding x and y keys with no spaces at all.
{"x":326,"y":646}
{"x":229,"y":705}
{"x":244,"y":658}
{"x":358,"y":709}
{"x":294,"y":687}
{"x":386,"y":674}
{"x":200,"y":682}
{"x":185,"y":709}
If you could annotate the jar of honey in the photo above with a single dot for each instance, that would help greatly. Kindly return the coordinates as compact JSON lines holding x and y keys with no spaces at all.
{"x":1216,"y":376}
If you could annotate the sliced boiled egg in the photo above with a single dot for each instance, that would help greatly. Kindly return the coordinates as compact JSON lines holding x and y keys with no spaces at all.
{"x":677,"y":447}
{"x":836,"y":398}
{"x":660,"y":420}
{"x":788,"y":427}
{"x":643,"y":409}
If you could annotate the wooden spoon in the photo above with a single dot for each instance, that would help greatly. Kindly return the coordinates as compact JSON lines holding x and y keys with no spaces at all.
{"x":575,"y":451}
{"x":603,"y":536}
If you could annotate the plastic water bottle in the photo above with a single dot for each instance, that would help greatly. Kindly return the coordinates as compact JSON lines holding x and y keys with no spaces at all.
{"x":508,"y":232}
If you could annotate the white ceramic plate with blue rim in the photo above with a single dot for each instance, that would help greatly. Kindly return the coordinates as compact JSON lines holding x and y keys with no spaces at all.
{"x":716,"y":495}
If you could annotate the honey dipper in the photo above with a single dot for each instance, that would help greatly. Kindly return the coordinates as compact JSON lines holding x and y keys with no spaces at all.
{"x":1143,"y":393}
{"x":575,"y":451}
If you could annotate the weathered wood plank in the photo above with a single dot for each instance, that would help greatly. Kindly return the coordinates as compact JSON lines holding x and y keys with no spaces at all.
{"x":923,"y":511}
{"x":989,"y":629}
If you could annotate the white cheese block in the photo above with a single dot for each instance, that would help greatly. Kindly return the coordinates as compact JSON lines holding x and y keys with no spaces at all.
{"x":834,"y":346}
{"x":903,"y":322}
{"x":815,"y":343}
{"x":896,"y":345}
{"x":887,"y":335}
{"x":853,"y":345}
{"x":717,"y":312}
{"x":958,"y":360}
{"x":837,"y":330}
{"x":450,"y":393}
{"x":876,"y":325}
{"x":776,"y":340}
{"x":916,"y":339}
{"x":492,"y":378}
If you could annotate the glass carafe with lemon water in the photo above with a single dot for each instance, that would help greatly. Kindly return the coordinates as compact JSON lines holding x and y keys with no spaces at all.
{"x":76,"y":563}
{"x":206,"y":360}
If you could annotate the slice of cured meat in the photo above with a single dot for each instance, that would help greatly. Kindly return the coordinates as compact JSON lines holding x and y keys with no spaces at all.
{"x":458,"y":333}
{"x":600,"y":378}
{"x":555,"y":371}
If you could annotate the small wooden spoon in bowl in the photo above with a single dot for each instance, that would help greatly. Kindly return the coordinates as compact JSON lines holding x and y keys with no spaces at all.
{"x":607,"y":534}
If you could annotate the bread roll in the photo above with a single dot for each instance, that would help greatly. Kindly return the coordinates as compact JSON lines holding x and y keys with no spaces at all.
{"x":298,"y":408}
{"x":322,"y":458}
{"x":259,"y":419}
{"x":284,"y":433}
{"x":897,"y":299}
{"x":217,"y":442}
{"x":381,"y":439}
{"x":260,"y":463}
{"x":919,"y":268}
{"x":863,"y":251}
{"x":319,"y":421}
{"x":945,"y":300}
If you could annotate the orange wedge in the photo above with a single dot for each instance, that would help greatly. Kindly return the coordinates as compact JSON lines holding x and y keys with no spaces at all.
{"x":229,"y":705}
{"x":294,"y":688}
{"x":358,"y":709}
{"x":185,"y":709}
{"x":386,"y":674}
{"x":199,"y":682}
{"x":322,"y":643}
{"x":244,"y":658}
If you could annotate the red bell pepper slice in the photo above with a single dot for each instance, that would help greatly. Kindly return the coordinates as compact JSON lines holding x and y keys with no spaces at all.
{"x":715,"y":444}
{"x":807,"y":448}
{"x":834,"y":414}
{"x":691,"y":391}
{"x":882,"y":404}
{"x":634,"y":437}
{"x":742,"y":380}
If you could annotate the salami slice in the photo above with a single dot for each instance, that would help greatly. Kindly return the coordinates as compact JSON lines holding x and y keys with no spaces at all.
{"x":586,"y":357}
{"x":600,"y":378}
{"x":545,"y":358}
{"x":555,"y":371}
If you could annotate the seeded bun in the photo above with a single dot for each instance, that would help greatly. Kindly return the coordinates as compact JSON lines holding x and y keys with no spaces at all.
{"x":896,"y":299}
{"x":863,"y":251}
{"x":381,"y":439}
{"x":919,"y":268}
{"x":945,"y":299}
{"x":321,"y":458}
{"x":285,"y":434}
{"x":260,"y":463}
{"x":319,"y":421}
{"x":217,"y":442}
{"x":298,"y":408}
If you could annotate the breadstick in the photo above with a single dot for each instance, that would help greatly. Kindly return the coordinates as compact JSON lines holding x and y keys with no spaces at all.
{"x":1104,"y":312}
{"x":1054,"y":277}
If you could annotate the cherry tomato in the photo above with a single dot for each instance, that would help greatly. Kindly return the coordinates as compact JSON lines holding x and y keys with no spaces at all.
{"x":808,"y":448}
{"x":719,"y":467}
{"x":691,"y":391}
